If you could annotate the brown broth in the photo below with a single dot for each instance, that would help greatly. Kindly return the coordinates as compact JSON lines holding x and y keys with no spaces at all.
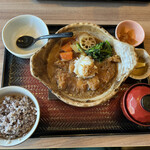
{"x":70,"y":89}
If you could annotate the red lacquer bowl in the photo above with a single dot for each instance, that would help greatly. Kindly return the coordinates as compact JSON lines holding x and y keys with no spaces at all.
{"x":136,"y":104}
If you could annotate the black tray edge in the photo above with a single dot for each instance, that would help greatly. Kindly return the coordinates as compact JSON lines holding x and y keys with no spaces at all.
{"x":74,"y":134}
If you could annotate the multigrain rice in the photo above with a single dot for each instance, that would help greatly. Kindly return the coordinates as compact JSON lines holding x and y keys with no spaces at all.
{"x":17,"y":116}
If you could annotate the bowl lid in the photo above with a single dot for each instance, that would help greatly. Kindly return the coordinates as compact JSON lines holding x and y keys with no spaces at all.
{"x":138,"y":102}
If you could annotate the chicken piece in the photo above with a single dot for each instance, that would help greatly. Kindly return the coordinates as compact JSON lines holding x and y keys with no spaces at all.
{"x":114,"y":58}
{"x":81,"y":85}
{"x":61,"y":64}
{"x":93,"y":83}
{"x":61,"y":78}
{"x":71,"y":66}
{"x":107,"y":71}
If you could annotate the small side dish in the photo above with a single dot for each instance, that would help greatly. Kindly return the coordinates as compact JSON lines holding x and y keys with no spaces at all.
{"x":135,"y":104}
{"x":142,"y":68}
{"x":19,"y":115}
{"x":130,"y":31}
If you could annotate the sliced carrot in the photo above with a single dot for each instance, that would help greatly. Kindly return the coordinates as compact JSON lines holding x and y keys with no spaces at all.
{"x":67,"y":47}
{"x":66,"y":55}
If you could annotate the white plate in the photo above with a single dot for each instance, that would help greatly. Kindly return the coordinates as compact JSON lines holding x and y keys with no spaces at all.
{"x":24,"y":25}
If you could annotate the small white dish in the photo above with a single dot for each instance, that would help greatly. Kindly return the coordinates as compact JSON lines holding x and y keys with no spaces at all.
{"x":24,"y":25}
{"x":142,"y":53}
{"x":130,"y":31}
{"x":16,"y":89}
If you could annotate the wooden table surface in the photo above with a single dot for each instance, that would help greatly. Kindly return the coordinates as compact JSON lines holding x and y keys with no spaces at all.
{"x":65,"y":12}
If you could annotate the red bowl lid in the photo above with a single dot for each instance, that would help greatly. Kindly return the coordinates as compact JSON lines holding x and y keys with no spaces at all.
{"x":137,"y":100}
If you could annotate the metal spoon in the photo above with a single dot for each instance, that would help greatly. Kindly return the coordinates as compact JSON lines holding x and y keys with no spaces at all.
{"x":26,"y":41}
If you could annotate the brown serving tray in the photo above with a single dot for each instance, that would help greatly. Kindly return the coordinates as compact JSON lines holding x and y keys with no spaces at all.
{"x":60,"y":119}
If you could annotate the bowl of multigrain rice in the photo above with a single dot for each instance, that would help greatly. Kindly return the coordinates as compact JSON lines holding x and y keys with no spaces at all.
{"x":19,"y":115}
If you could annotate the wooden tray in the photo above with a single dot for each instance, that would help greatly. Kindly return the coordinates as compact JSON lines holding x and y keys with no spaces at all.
{"x":60,"y":119}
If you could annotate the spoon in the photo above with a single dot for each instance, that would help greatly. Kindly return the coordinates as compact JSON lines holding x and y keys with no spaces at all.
{"x":26,"y":41}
